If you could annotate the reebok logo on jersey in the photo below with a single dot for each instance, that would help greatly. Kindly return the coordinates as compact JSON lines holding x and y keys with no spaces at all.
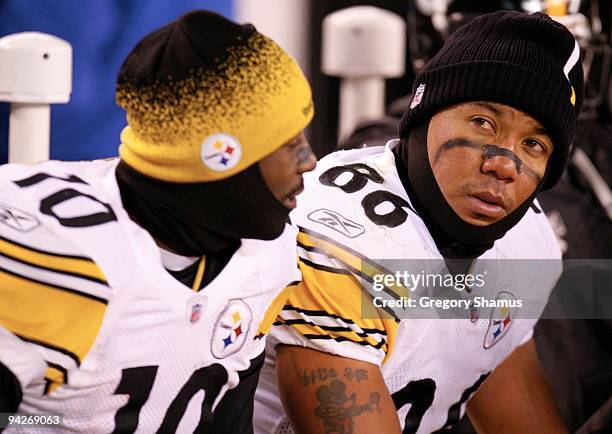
{"x":17,"y":219}
{"x":337,"y":222}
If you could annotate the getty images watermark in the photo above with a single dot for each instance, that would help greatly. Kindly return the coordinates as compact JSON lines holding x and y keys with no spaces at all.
{"x":413,"y":282}
{"x":491,"y":287}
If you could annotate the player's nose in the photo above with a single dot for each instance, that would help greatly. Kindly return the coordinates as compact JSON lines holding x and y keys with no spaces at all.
{"x":500,"y":166}
{"x":309,"y":162}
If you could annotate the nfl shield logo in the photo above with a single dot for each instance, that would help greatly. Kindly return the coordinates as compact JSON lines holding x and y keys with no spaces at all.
{"x":196,"y":310}
{"x":418,"y":96}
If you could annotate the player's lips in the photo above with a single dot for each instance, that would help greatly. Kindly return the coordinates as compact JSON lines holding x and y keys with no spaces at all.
{"x":486,"y":204}
{"x":291,"y":200}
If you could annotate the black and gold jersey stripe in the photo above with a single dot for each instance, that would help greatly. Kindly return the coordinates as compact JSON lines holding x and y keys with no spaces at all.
{"x":54,"y":301}
{"x":331,"y":327}
{"x":274,"y":309}
{"x":55,"y":376}
{"x":328,"y":305}
{"x":78,"y":266}
{"x":317,"y":313}
{"x":350,"y":260}
{"x":49,"y":315}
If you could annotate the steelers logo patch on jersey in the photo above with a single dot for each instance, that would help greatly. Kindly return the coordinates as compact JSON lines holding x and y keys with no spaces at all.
{"x":501,"y":319}
{"x":231,"y":328}
{"x":221,"y":152}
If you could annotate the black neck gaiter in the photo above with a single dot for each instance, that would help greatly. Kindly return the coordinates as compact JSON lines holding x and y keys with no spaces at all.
{"x":204,"y":218}
{"x":453,"y":236}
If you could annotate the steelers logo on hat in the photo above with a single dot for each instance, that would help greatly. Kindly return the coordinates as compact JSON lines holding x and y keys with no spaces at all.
{"x":221,"y":152}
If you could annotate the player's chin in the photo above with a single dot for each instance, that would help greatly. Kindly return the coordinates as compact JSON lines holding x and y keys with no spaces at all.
{"x":480,"y":219}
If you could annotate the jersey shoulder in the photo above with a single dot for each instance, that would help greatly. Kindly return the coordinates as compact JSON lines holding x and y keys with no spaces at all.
{"x":531,"y":238}
{"x":339,"y":244}
{"x":356,"y":199}
{"x":52,"y":294}
{"x":34,"y":210}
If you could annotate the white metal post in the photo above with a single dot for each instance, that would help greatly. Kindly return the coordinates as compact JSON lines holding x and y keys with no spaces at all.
{"x":29,"y":128}
{"x":35,"y":71}
{"x":363,"y":45}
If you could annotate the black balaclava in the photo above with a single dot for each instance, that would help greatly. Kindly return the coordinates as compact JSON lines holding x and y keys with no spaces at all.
{"x":454,"y":237}
{"x":202,"y":218}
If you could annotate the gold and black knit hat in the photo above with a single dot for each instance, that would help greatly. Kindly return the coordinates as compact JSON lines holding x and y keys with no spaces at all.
{"x":206,"y":98}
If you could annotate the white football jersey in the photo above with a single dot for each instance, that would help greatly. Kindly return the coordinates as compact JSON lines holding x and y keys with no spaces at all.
{"x":95,"y":328}
{"x":354,"y":214}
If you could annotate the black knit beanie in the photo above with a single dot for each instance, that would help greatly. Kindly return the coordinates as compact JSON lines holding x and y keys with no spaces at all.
{"x":528,"y":62}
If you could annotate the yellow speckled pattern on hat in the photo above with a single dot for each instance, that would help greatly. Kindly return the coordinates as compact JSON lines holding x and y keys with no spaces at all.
{"x":256,"y":100}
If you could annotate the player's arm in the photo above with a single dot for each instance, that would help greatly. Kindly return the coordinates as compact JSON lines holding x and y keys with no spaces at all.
{"x":328,"y":370}
{"x":322,"y":392}
{"x":516,"y":398}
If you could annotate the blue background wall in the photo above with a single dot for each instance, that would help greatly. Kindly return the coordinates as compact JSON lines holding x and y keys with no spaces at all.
{"x":102,"y":33}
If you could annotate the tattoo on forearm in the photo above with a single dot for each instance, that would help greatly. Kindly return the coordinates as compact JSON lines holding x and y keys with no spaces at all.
{"x":357,"y":374}
{"x":337,"y":408}
{"x":303,"y":154}
{"x":321,"y":375}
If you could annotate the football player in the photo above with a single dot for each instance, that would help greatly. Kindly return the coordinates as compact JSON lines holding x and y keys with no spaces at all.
{"x":133,"y":290}
{"x":489,"y":126}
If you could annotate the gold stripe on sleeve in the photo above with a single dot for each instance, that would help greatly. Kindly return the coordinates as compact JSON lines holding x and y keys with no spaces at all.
{"x":57,"y":318}
{"x":274,"y":309}
{"x":75,"y":265}
{"x":55,"y":377}
{"x":353,"y":261}
{"x":339,"y":297}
